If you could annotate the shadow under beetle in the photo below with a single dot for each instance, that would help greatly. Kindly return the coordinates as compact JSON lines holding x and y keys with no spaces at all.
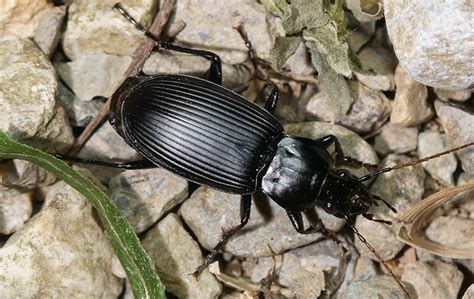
{"x":212,"y":136}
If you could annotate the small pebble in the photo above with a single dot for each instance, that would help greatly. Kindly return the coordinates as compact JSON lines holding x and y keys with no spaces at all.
{"x":48,"y":31}
{"x":459,"y":126}
{"x":433,"y":52}
{"x":368,"y":112}
{"x":306,"y":281}
{"x":360,"y":37}
{"x":79,"y":112}
{"x":402,"y":188}
{"x":364,"y":269}
{"x":395,"y":139}
{"x":62,"y":252}
{"x":300,"y":63}
{"x":383,"y":62}
{"x":15,"y":209}
{"x":455,"y":95}
{"x":176,"y":255}
{"x":410,"y":107}
{"x":434,"y":279}
{"x":145,"y":195}
{"x":28,"y":87}
{"x":25,"y":175}
{"x":207,"y":212}
{"x":94,"y":75}
{"x":374,"y":287}
{"x":210,"y":25}
{"x":469,"y":294}
{"x":20,"y":18}
{"x":452,"y":231}
{"x":441,"y":168}
{"x":381,"y":236}
{"x":94,"y":27}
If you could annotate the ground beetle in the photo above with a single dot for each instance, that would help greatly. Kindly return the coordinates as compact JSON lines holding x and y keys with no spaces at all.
{"x":212,"y":136}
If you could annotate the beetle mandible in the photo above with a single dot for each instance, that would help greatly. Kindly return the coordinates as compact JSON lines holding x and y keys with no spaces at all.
{"x":212,"y":136}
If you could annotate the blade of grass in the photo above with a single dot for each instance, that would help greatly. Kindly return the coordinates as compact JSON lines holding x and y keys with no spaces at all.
{"x":136,"y":262}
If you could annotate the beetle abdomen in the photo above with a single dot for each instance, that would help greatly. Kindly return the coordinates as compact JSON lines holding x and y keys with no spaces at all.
{"x":199,"y":130}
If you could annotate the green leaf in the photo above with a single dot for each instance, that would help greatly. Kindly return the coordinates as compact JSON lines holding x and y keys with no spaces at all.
{"x":137,"y":264}
{"x":283,"y":49}
{"x":365,"y":10}
{"x":324,"y":40}
{"x":338,"y":16}
{"x":298,"y":14}
{"x":334,"y":85}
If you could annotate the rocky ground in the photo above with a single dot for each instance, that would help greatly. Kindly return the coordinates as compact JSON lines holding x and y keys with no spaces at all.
{"x":54,"y":59}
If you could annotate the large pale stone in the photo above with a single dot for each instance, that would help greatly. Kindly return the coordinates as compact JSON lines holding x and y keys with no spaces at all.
{"x":62,"y":252}
{"x":210,"y":25}
{"x":19,"y":18}
{"x":433,"y":40}
{"x":410,"y":107}
{"x":28,"y":87}
{"x":176,"y":255}
{"x":95,"y":27}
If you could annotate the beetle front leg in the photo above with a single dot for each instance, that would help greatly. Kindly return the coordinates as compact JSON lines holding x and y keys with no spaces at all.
{"x":245,"y":204}
{"x":297,"y":220}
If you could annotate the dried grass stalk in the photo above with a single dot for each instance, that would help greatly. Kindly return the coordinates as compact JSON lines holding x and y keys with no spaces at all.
{"x":413,"y":222}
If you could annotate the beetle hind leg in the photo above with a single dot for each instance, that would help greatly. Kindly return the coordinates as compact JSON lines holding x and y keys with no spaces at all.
{"x":245,"y":204}
{"x":215,"y":70}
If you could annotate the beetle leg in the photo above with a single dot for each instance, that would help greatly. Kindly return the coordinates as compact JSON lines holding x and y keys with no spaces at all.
{"x":272,"y":99}
{"x":139,"y":164}
{"x":297,"y":220}
{"x":215,"y":70}
{"x":245,"y":204}
{"x":328,"y":140}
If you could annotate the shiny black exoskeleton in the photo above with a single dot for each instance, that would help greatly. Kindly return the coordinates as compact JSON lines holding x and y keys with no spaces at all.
{"x":210,"y":135}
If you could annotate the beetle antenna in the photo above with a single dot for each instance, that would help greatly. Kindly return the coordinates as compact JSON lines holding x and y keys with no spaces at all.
{"x":378,"y":256}
{"x":412,"y":163}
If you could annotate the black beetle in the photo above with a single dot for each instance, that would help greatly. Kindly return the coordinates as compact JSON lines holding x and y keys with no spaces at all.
{"x":212,"y":136}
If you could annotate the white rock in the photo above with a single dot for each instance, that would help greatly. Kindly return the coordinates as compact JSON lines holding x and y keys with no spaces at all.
{"x":382,"y":61}
{"x":442,"y":168}
{"x":435,"y":279}
{"x":396,"y":139}
{"x":207,"y":212}
{"x":28,"y":87}
{"x":15,"y":209}
{"x":95,"y":27}
{"x":455,"y":95}
{"x":48,"y":32}
{"x":94,"y":75}
{"x":145,"y":195}
{"x":459,"y":126}
{"x":410,"y":107}
{"x":176,"y":255}
{"x":210,"y":25}
{"x":433,"y":40}
{"x":19,"y":18}
{"x":452,"y":231}
{"x":62,"y":252}
{"x":24,"y":174}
